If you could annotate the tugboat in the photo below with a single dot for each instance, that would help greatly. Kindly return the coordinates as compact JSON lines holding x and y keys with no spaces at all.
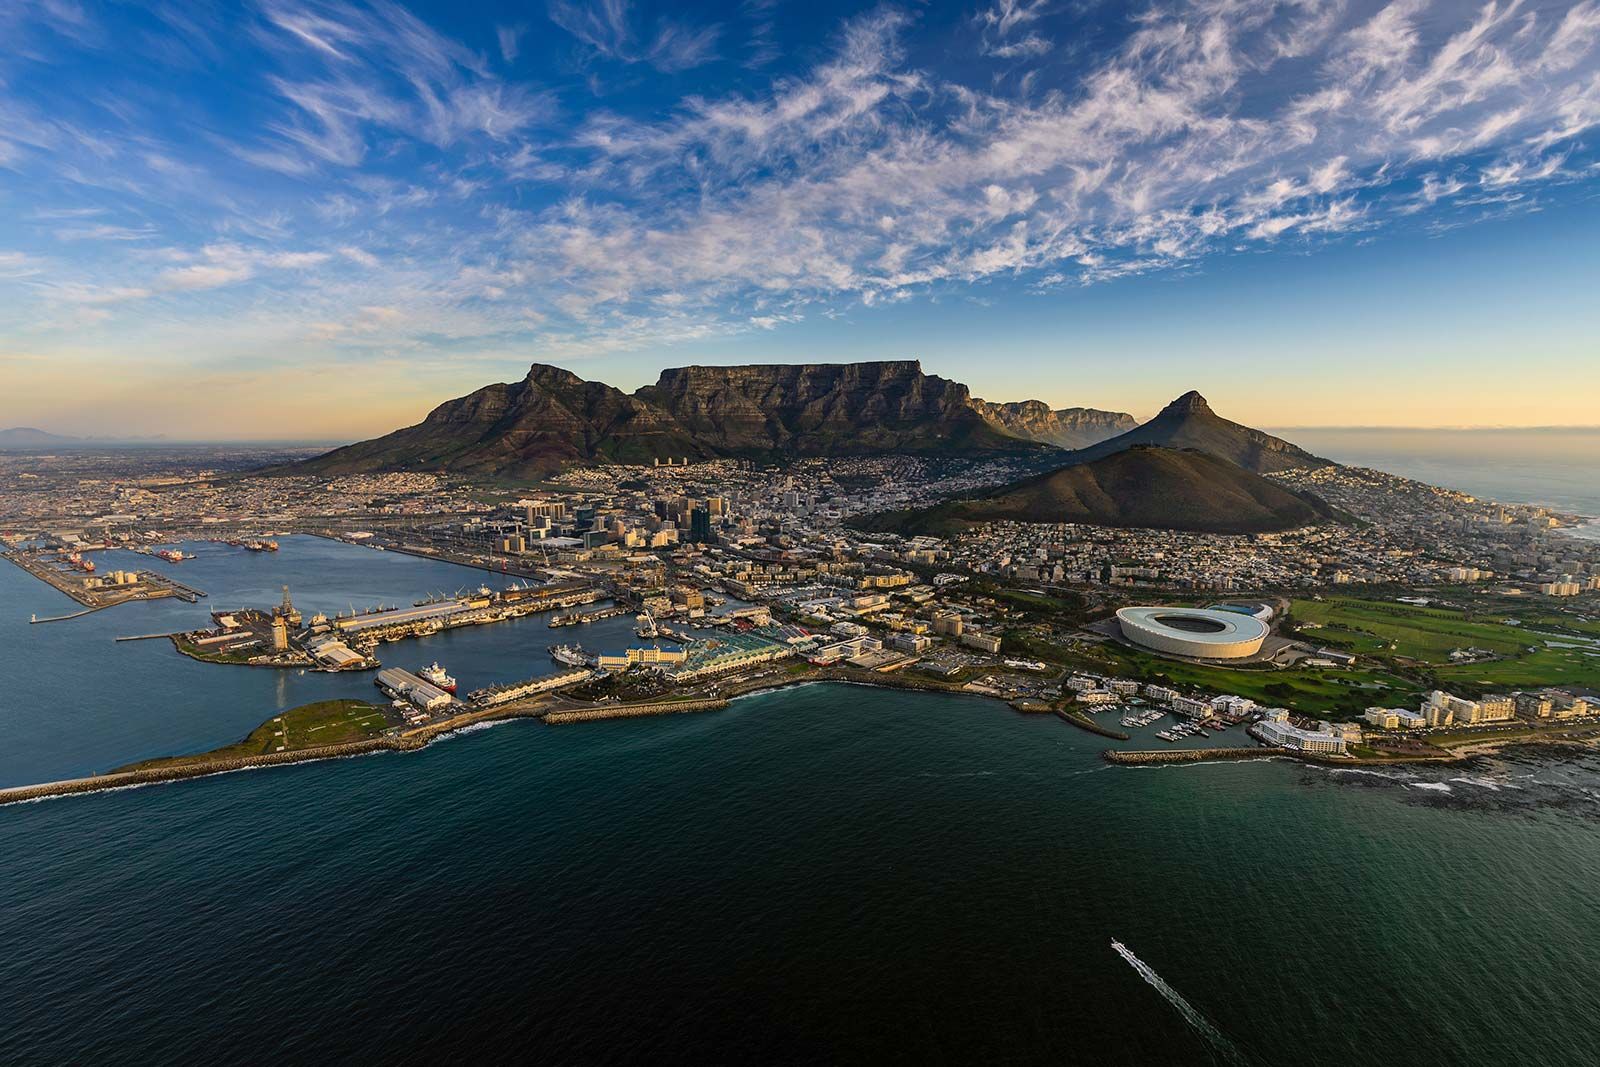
{"x":435,"y":676}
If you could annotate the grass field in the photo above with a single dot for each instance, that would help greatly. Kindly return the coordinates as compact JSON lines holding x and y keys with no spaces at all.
{"x":327,"y":722}
{"x":1398,"y":633}
{"x":1428,"y":635}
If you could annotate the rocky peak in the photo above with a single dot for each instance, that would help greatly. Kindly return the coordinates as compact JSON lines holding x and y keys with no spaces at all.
{"x":1190,"y":403}
{"x":547,"y":377}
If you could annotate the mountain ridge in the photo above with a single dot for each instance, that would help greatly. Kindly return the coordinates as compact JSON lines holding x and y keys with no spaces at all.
{"x":1189,"y":423}
{"x":553,"y":419}
{"x":1143,"y":486}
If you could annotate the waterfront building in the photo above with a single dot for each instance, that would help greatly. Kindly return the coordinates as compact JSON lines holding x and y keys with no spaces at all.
{"x":500,"y":694}
{"x":1534,"y":706}
{"x":1280,"y":733}
{"x":1497,"y":708}
{"x":406,"y":686}
{"x":654,"y":656}
{"x":1441,"y":709}
{"x":1394,"y":718}
{"x":1233,"y":708}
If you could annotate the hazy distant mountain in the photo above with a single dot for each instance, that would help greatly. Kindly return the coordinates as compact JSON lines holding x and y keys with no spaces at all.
{"x":1140,"y":486}
{"x":553,"y":418}
{"x":1189,"y":422}
{"x":29,"y":437}
{"x":1064,"y":427}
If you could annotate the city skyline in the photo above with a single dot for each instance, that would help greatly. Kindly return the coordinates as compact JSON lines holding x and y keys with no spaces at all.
{"x":229,"y":225}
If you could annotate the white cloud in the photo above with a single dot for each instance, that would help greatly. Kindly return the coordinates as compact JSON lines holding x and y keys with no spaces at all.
{"x":606,"y":27}
{"x":452,"y":193}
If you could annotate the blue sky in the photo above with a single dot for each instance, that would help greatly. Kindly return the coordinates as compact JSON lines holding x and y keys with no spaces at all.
{"x":290,"y":218}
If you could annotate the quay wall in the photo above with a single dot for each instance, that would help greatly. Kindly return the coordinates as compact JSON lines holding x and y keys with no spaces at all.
{"x":1083,"y":722}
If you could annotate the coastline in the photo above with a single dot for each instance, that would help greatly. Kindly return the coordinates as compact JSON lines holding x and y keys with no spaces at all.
{"x":174,"y":769}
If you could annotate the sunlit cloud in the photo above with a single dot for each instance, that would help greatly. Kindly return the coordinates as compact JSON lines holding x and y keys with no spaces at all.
{"x":596,"y":178}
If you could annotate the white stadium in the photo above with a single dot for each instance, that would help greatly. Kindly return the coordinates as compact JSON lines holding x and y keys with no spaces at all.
{"x":1200,"y":633}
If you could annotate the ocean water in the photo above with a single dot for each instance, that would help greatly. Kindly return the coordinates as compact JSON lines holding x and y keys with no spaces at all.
{"x":821,"y":874}
{"x":1559,"y":468}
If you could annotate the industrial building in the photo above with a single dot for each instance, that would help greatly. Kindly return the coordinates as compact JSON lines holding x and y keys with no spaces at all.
{"x":1199,"y":633}
{"x":403,"y":685}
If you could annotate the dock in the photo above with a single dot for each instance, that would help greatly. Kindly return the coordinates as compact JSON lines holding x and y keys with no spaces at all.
{"x":580,"y":618}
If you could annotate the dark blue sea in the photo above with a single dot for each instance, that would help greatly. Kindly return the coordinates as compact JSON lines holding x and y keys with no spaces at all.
{"x":827,"y":874}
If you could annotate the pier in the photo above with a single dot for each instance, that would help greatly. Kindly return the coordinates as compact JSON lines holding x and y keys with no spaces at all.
{"x":145,"y":585}
{"x":580,"y":618}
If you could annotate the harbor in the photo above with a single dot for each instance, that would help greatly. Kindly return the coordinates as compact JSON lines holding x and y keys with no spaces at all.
{"x":71,"y":572}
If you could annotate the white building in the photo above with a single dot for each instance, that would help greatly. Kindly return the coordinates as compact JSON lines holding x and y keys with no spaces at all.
{"x":1279,"y":733}
{"x":1394,"y":719}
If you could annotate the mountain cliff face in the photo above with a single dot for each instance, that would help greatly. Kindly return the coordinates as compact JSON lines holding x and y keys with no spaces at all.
{"x":1189,"y":422}
{"x":825,"y":409}
{"x":553,"y":418}
{"x":1142,"y":486}
{"x":1034,"y":420}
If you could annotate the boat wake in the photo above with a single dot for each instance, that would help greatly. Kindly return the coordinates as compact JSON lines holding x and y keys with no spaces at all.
{"x":1200,"y":1023}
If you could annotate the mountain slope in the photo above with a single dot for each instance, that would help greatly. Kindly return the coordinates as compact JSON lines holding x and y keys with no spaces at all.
{"x":1189,"y":422}
{"x":1033,"y":420}
{"x":1142,"y":486}
{"x":553,"y":418}
{"x":546,"y":421}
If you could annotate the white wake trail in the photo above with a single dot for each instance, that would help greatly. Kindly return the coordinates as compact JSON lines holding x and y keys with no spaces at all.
{"x":1193,"y":1017}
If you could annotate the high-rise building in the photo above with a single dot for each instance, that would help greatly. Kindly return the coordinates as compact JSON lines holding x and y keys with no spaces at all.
{"x":700,"y":526}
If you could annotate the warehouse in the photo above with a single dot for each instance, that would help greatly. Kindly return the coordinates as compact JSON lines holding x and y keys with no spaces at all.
{"x":403,"y":685}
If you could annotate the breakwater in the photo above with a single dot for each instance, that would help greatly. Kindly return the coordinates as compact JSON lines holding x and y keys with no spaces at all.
{"x":629,"y":711}
{"x":201,"y":766}
{"x":1083,"y":722}
{"x":1187,"y":755}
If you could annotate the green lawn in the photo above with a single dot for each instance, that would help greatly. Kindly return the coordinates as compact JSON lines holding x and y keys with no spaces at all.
{"x":327,"y":722}
{"x":1429,"y":635}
